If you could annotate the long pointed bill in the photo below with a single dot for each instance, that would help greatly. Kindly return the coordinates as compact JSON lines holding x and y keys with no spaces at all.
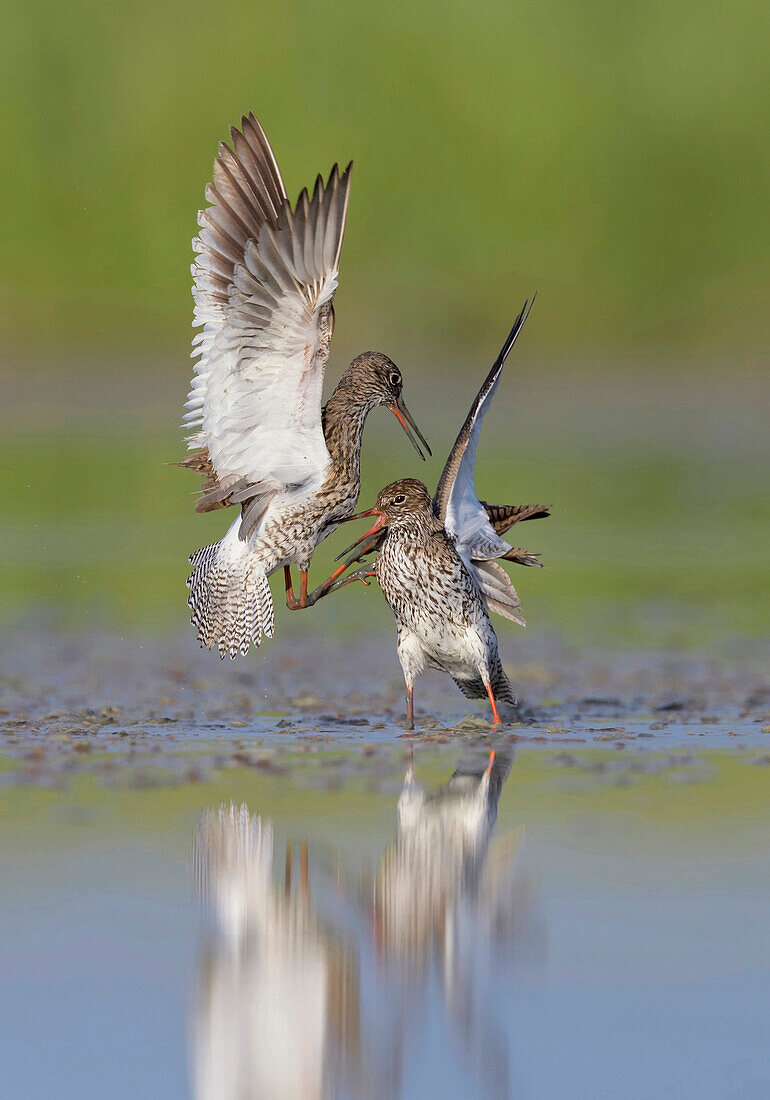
{"x":406,"y":420}
{"x":378,"y":525}
{"x":363,"y":548}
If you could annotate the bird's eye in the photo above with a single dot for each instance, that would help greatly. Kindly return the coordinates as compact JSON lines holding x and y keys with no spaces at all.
{"x":399,"y":499}
{"x":395,"y":378}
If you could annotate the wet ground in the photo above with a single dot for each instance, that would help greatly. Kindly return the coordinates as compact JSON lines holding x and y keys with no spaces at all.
{"x":117,"y":705}
{"x":246,"y":880}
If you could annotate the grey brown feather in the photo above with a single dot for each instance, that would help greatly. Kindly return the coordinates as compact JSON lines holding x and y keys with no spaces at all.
{"x":264,"y":282}
{"x":503,"y":516}
{"x":440,"y":604}
{"x":247,"y":191}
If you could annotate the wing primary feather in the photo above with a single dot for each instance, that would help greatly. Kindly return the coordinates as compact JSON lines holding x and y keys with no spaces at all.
{"x":319,"y":234}
{"x":239,"y":200}
{"x":244,"y":158}
{"x":264,"y":281}
{"x":449,"y":473}
{"x":342,"y":216}
{"x":257,"y":139}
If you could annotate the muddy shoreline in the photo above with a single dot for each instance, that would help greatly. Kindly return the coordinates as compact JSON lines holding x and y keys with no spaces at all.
{"x":117,"y":706}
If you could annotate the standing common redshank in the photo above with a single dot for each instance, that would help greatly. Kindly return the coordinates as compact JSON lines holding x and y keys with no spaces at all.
{"x":264,"y":283}
{"x":436,"y":565}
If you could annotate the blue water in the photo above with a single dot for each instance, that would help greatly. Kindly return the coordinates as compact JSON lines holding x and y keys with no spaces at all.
{"x":601,"y":954}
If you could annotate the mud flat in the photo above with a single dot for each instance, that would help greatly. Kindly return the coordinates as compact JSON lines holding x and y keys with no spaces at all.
{"x":110,"y":703}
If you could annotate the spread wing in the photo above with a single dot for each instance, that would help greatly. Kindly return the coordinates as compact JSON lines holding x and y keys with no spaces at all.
{"x":456,"y":503}
{"x":475,"y":525}
{"x":264,"y":282}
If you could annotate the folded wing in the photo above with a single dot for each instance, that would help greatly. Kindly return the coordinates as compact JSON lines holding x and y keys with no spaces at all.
{"x":264,"y":283}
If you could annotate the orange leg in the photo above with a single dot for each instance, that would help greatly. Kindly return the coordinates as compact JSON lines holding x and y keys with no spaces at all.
{"x":410,"y":708}
{"x":292,"y":602}
{"x":491,"y":763}
{"x":323,"y":589}
{"x":497,"y":719}
{"x":308,"y":599}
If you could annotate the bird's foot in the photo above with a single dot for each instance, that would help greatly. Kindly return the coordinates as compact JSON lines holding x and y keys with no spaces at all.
{"x":292,"y":602}
{"x":364,"y":575}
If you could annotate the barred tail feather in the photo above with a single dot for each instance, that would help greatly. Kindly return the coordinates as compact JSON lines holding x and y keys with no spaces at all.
{"x":229,"y":596}
{"x":501,"y":685}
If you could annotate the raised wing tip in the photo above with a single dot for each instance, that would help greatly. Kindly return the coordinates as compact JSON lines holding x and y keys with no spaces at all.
{"x":251,"y":122}
{"x":248,"y":122}
{"x":518,"y":325}
{"x":337,"y":174}
{"x":476,"y":414}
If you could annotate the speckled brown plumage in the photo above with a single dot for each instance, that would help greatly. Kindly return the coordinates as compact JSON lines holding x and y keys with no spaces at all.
{"x":288,"y":535}
{"x":292,"y":538}
{"x":439,"y":607}
{"x":437,"y":564}
{"x":264,"y":281}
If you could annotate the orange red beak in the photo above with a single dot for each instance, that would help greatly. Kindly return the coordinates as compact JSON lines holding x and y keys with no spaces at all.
{"x":378,"y":525}
{"x":406,"y":420}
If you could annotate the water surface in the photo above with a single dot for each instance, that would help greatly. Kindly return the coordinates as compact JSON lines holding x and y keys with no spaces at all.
{"x":216,"y":886}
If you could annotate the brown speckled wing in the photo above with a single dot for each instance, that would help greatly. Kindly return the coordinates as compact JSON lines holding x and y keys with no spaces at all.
{"x":503,"y":516}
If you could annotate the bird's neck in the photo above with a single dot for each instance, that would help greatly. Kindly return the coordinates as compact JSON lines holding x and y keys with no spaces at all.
{"x":343,"y":419}
{"x":417,"y":527}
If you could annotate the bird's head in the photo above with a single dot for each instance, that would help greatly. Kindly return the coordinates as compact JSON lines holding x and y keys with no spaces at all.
{"x":396,"y":504}
{"x":378,"y":380}
{"x":402,"y":499}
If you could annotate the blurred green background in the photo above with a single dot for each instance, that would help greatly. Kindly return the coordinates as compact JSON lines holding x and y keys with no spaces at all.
{"x":613,"y":157}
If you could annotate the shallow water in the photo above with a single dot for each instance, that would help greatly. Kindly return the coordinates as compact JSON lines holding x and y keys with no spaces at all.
{"x":588,"y":915}
{"x":607,"y":935}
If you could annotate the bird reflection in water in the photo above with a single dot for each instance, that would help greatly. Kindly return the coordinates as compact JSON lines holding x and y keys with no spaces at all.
{"x":319,"y":988}
{"x":448,"y":895}
{"x":275,"y":1010}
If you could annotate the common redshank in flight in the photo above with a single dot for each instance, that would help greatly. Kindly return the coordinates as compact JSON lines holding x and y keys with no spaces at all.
{"x":264,"y":284}
{"x":437,"y":569}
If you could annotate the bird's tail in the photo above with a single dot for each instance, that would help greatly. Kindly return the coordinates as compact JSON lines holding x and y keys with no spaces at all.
{"x":501,"y":685}
{"x":229,"y":596}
